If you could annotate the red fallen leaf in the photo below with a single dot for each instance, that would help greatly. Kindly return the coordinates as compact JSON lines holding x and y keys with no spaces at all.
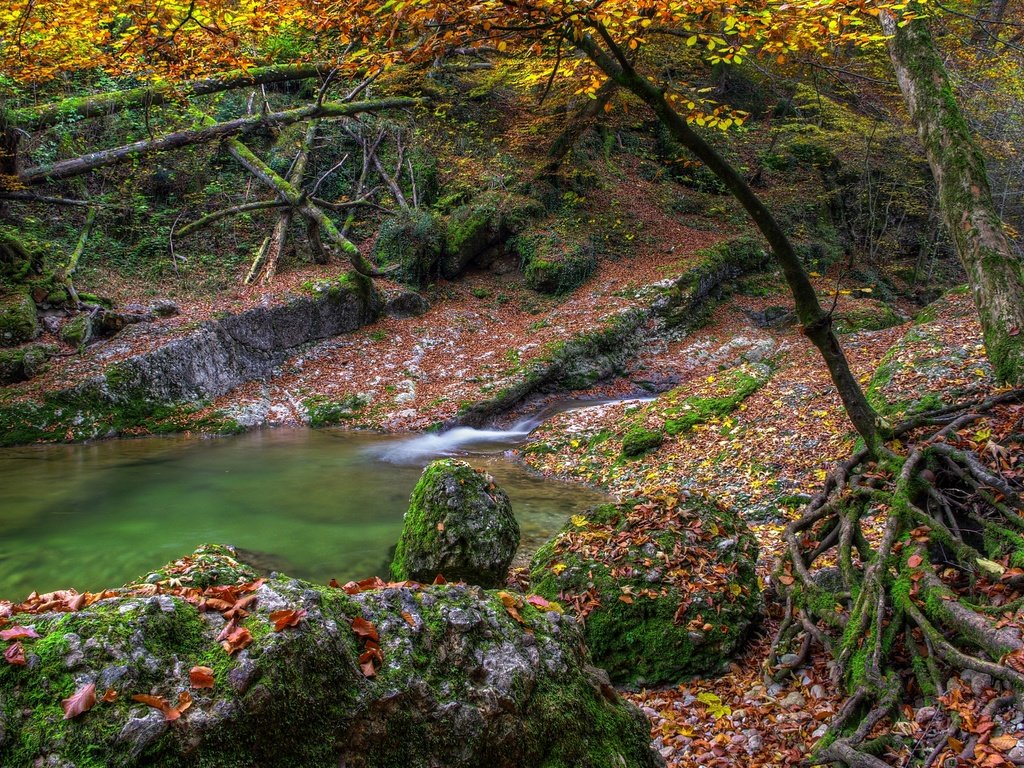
{"x":914,"y":560}
{"x":240,"y":607}
{"x":109,"y":696}
{"x":237,"y":640}
{"x":537,"y":601}
{"x":287,"y":618}
{"x":334,"y":583}
{"x":230,"y":627}
{"x":80,"y":701}
{"x":159,"y":702}
{"x":439,"y":579}
{"x":218,"y":604}
{"x":201,"y":677}
{"x":368,"y":669}
{"x":18,"y":633}
{"x":15,"y":654}
{"x":364,"y":628}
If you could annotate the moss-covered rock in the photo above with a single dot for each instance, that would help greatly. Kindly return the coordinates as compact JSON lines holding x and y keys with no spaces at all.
{"x":666,"y":585}
{"x":459,"y":524}
{"x":639,"y":440}
{"x":459,"y":682}
{"x":78,"y":330}
{"x":478,"y":226}
{"x":552,"y":264}
{"x":412,"y":240}
{"x":18,"y":322}
{"x":23,"y":363}
{"x":866,"y":316}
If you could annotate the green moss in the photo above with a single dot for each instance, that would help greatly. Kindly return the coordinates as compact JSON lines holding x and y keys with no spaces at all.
{"x":17,"y":318}
{"x":77,"y":330}
{"x":552,"y":265}
{"x":692,"y":411}
{"x":413,"y":241}
{"x":639,"y":441}
{"x":323,"y":411}
{"x":24,"y":362}
{"x":873,"y":317}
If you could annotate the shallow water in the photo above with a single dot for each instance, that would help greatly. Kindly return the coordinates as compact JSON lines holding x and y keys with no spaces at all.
{"x":317,"y":504}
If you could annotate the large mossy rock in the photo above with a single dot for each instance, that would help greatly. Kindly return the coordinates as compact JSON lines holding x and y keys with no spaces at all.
{"x":413,"y":241}
{"x":551,"y":264}
{"x":18,"y":322}
{"x":478,"y":226}
{"x":461,"y":682}
{"x":459,"y":524}
{"x":666,"y":585}
{"x":24,"y":362}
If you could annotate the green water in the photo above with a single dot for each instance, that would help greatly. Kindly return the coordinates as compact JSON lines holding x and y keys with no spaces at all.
{"x":313,"y":504}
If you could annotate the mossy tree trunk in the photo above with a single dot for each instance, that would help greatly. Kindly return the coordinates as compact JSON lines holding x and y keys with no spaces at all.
{"x":816,"y":322}
{"x":965,"y":200}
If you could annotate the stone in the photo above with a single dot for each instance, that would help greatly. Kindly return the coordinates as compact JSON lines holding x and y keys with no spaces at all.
{"x":513,"y":695}
{"x":460,"y":525}
{"x":18,"y":322}
{"x":1016,"y":755}
{"x":406,"y":304}
{"x":794,"y":700}
{"x":688,"y":622}
{"x":164,"y":308}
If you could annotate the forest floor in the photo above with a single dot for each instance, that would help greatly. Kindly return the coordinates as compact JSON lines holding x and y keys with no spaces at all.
{"x":765,"y":455}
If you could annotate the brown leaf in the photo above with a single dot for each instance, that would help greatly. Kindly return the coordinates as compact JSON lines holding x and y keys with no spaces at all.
{"x":201,"y":677}
{"x":184,"y":701}
{"x":368,"y":669}
{"x":287,"y":618}
{"x":18,"y":632}
{"x":159,"y":702}
{"x":15,"y":654}
{"x":914,"y":560}
{"x":364,"y":628}
{"x":109,"y":696}
{"x":237,"y":640}
{"x":409,"y":619}
{"x":80,"y":701}
{"x":1003,"y":743}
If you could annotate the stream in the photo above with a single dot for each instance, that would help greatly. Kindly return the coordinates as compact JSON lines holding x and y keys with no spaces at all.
{"x":316,"y":504}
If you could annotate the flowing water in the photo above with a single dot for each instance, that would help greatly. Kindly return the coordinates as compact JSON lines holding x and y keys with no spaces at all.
{"x":317,"y":504}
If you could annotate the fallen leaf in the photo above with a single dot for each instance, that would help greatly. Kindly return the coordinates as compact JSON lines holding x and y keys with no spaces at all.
{"x":109,"y":696}
{"x":15,"y":654}
{"x":364,"y":628}
{"x":914,"y":560}
{"x":287,"y":618}
{"x":80,"y":701}
{"x":160,"y":703}
{"x":184,"y":701}
{"x":1003,"y":743}
{"x":18,"y":633}
{"x":237,"y":640}
{"x":409,"y":619}
{"x":201,"y":677}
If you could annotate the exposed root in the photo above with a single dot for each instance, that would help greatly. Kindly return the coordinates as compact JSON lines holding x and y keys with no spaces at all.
{"x":908,"y":568}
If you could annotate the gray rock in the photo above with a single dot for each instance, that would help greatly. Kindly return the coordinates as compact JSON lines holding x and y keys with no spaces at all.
{"x":141,"y":730}
{"x":406,"y":304}
{"x":794,"y":700}
{"x":1016,"y":755}
{"x":164,"y":308}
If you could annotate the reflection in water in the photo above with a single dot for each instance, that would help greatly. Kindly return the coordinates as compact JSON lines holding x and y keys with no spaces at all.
{"x":316,"y":504}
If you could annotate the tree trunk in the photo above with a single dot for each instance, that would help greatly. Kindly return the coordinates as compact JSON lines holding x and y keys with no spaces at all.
{"x":576,"y":127}
{"x":65,"y":169}
{"x":965,"y":200}
{"x":817,"y":324}
{"x":34,"y":118}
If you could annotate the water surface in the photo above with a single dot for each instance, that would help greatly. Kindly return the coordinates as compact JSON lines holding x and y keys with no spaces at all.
{"x":317,"y":504}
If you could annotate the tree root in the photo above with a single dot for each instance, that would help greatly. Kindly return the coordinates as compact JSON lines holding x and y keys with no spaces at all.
{"x":932,"y":595}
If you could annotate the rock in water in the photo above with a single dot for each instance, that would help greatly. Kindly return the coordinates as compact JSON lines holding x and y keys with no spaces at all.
{"x":459,"y":524}
{"x":666,"y":584}
{"x":433,"y":676}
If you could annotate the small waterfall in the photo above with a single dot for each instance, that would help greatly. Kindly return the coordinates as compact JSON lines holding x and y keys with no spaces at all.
{"x":463,"y":440}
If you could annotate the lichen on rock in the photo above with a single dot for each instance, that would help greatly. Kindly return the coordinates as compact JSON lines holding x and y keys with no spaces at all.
{"x":459,"y":524}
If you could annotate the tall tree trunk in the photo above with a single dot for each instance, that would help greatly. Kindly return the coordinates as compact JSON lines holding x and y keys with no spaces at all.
{"x":965,"y":200}
{"x":816,"y":322}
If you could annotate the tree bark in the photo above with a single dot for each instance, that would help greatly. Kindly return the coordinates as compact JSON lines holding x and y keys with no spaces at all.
{"x":77,"y":166}
{"x":965,"y":199}
{"x":34,"y":118}
{"x":817,"y":324}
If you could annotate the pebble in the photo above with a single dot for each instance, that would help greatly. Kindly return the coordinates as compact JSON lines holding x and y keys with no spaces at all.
{"x":925,"y":715}
{"x":794,"y":700}
{"x":1016,"y":755}
{"x":818,"y":691}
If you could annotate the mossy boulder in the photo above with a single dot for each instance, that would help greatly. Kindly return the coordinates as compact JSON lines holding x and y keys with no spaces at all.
{"x":867,"y":315}
{"x":478,"y":226}
{"x":640,"y":440}
{"x":459,"y":682}
{"x":551,"y":264}
{"x":23,"y":363}
{"x":459,"y":524}
{"x":18,"y":322}
{"x":78,"y":330}
{"x":412,"y":240}
{"x":666,"y":585}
